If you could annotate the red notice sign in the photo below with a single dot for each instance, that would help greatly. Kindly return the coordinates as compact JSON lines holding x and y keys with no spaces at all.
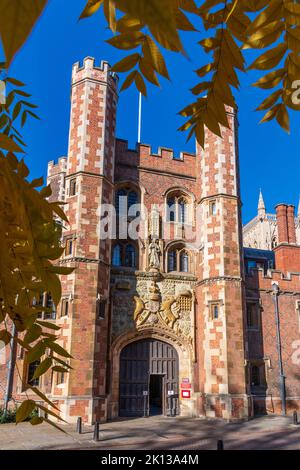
{"x":185,"y":385}
{"x":185,"y":394}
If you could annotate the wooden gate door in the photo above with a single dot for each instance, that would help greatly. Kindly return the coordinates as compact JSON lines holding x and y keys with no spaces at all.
{"x":138,"y":361}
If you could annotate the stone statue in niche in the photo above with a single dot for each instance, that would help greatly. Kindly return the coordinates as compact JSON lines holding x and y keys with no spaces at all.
{"x":154,"y":254}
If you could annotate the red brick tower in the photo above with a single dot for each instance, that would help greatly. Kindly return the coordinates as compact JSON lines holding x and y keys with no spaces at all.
{"x":287,"y":251}
{"x":89,"y":184}
{"x":220,"y":344}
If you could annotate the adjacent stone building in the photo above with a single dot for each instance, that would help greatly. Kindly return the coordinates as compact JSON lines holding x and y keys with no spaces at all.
{"x":166,"y":312}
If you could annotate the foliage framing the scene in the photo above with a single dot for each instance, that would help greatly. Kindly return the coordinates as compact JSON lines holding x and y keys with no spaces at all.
{"x":29,"y":236}
{"x":29,"y":244}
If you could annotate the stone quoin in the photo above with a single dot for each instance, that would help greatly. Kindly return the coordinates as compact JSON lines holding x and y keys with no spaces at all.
{"x":187,"y":304}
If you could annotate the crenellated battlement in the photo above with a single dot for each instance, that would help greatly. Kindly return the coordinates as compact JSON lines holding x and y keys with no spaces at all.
{"x":257,"y":278}
{"x":59,"y":167}
{"x":88,"y":69}
{"x":165,"y":159}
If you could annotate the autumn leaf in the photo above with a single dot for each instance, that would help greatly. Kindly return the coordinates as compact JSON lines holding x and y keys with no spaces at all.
{"x":17,"y":18}
{"x":7,"y":143}
{"x":25,"y":410}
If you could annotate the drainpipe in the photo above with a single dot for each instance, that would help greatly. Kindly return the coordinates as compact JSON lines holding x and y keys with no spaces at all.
{"x":276,"y":292}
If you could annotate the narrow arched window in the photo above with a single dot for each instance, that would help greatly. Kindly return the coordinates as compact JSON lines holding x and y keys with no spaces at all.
{"x":171,"y":209}
{"x":132,"y":198}
{"x":184,"y":262}
{"x":182,"y":211}
{"x":172,"y":260}
{"x":116,"y":258}
{"x":73,"y":187}
{"x":130,"y":256}
{"x":120,"y":202}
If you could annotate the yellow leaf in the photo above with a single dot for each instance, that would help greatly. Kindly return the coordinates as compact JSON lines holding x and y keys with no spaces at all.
{"x":50,"y":412}
{"x":269,"y":101}
{"x":110,"y":14}
{"x":183,"y":23}
{"x":58,"y":349}
{"x":128,"y":23}
{"x":282,"y":117}
{"x":270,"y":114}
{"x":32,"y":334}
{"x":42,"y":368}
{"x":5,"y":337}
{"x":129,"y":80}
{"x":159,"y":16}
{"x":201,"y":87}
{"x":46,"y":324}
{"x":59,"y":211}
{"x":205,"y":69}
{"x":91,"y":7}
{"x":140,"y":84}
{"x":17,"y":18}
{"x":127,"y":63}
{"x":148,"y":71}
{"x":268,"y":15}
{"x":7,"y":143}
{"x":270,"y":80}
{"x":36,"y":420}
{"x":127,"y":40}
{"x":153,"y":55}
{"x":42,"y":396}
{"x":36,"y":352}
{"x":60,"y":369}
{"x":24,"y":411}
{"x":270,"y":59}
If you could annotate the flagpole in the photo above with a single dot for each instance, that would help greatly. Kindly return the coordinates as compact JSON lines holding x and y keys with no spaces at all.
{"x":140,"y":118}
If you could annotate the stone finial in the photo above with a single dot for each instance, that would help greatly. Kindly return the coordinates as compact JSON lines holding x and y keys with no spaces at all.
{"x":261,"y":208}
{"x":298,"y":212}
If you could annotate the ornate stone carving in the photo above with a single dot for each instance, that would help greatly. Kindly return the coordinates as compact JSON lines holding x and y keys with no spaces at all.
{"x":173,"y":313}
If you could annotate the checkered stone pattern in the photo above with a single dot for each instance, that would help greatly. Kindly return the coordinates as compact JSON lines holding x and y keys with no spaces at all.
{"x":221,"y":351}
{"x":56,"y":175}
{"x":91,"y":162}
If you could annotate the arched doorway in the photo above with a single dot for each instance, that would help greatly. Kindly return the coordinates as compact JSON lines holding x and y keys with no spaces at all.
{"x":148,"y":378}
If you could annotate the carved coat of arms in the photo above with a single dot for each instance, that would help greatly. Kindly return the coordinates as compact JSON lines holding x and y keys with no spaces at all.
{"x":153,"y":311}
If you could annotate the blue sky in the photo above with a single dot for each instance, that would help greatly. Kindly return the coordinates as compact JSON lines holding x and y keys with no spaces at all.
{"x":269,"y":158}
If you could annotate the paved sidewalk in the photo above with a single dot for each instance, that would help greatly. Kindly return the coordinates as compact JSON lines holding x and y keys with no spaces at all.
{"x":155,"y":433}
